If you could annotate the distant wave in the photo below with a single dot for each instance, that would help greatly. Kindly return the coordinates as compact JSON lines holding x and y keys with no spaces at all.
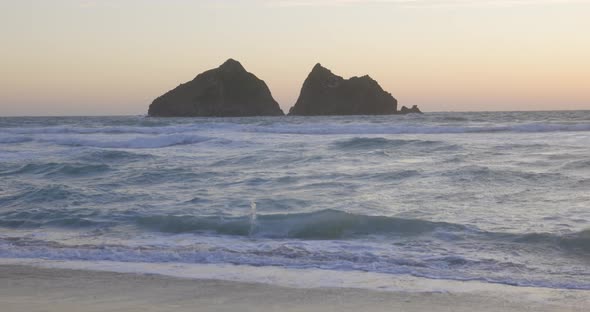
{"x":75,"y":129}
{"x":579,"y":164}
{"x":360,"y":143}
{"x":416,"y":129}
{"x":44,"y":194}
{"x":112,"y":155}
{"x":285,"y":127}
{"x":15,"y":140}
{"x":155,"y":141}
{"x":137,"y":142}
{"x":370,"y":143}
{"x":483,"y":174}
{"x":130,"y":129}
{"x":56,"y":169}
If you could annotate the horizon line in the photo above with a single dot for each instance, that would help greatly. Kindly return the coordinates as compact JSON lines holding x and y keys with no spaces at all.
{"x":287,"y":115}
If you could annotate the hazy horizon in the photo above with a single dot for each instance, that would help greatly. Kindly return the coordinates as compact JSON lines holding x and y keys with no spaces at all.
{"x":70,"y":57}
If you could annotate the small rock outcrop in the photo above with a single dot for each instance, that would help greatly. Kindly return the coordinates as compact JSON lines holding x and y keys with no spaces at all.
{"x":227,"y":91}
{"x":413,"y":110}
{"x":324,"y":93}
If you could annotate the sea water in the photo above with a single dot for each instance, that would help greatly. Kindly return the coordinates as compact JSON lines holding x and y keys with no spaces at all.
{"x":501,"y":198}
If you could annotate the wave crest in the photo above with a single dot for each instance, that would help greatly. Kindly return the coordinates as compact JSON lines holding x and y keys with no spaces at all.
{"x":324,"y":224}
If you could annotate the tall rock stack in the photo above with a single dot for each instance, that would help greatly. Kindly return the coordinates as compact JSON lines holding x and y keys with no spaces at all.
{"x":324,"y":93}
{"x":227,"y":91}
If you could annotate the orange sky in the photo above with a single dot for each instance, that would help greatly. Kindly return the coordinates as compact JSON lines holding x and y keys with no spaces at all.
{"x":69,"y":57}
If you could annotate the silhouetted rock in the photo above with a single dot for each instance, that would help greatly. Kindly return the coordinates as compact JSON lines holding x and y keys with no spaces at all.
{"x":324,"y":93}
{"x":228,"y":90}
{"x":414,"y":110}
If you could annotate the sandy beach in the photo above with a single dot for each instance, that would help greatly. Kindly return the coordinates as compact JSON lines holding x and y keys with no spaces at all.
{"x":25,"y":288}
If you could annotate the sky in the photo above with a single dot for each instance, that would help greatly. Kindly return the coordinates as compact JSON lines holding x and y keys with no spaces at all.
{"x":107,"y":57}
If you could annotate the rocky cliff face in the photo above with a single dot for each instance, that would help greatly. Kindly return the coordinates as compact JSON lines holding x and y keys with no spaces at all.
{"x":324,"y":93}
{"x":227,"y":91}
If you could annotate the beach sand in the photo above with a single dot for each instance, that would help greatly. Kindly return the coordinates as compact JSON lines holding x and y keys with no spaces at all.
{"x":27,"y":288}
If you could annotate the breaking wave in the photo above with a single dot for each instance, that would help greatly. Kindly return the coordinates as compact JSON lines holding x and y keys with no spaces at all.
{"x":327,"y":239}
{"x":333,"y":224}
{"x":320,"y":225}
{"x":325,"y":224}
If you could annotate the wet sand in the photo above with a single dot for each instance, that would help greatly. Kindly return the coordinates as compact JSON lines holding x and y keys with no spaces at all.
{"x":26,"y":288}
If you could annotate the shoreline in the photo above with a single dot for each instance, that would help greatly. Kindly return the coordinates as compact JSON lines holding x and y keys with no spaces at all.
{"x":34,"y":288}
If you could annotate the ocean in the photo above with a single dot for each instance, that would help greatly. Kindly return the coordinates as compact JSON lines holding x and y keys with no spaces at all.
{"x":494,"y":197}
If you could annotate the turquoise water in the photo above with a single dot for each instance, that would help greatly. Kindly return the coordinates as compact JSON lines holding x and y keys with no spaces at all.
{"x":496,"y":197}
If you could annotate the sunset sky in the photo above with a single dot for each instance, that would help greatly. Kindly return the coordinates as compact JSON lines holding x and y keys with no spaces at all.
{"x":107,"y":57}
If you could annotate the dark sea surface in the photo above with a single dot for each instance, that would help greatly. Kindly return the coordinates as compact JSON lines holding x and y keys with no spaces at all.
{"x":500,"y":197}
